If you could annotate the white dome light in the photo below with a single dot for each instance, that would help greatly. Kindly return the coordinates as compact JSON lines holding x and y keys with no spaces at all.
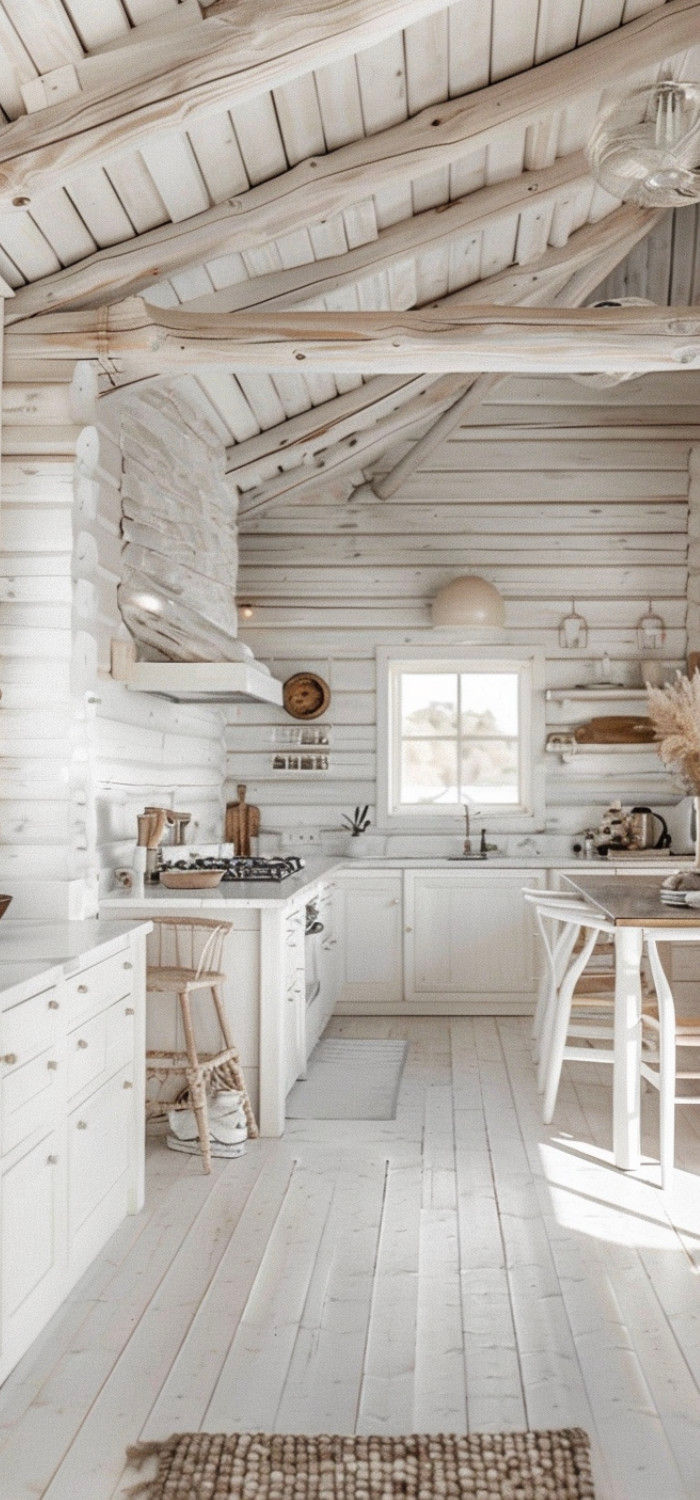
{"x":469,"y":603}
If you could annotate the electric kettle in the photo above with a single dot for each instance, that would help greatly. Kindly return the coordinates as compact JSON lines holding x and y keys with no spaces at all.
{"x":647,"y":829}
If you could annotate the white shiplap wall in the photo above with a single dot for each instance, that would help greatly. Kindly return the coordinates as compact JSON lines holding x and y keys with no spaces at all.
{"x":555,"y":491}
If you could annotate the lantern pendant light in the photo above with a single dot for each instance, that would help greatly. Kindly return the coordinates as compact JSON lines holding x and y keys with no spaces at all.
{"x":651,"y":631}
{"x":573,"y":630}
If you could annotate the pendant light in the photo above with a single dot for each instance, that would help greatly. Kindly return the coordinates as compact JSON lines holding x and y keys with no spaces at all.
{"x":469,"y":603}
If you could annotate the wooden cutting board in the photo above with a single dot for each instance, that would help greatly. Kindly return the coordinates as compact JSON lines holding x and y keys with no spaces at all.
{"x":242,"y":823}
{"x":616,"y":729}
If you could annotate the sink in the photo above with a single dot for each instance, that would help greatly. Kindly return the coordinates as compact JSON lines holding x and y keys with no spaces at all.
{"x":476,"y":856}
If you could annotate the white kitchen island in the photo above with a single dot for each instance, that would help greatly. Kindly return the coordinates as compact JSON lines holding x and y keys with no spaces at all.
{"x":264,"y":959}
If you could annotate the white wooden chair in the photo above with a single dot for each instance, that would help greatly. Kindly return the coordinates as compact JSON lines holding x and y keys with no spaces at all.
{"x":669,"y":1033}
{"x":186,"y":976}
{"x":562,"y":919}
{"x":562,"y":937}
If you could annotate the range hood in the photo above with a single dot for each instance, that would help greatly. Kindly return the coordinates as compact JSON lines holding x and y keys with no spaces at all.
{"x":204,"y":681}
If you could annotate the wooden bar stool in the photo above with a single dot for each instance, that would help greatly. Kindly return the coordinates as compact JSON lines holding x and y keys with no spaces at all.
{"x":185,"y":979}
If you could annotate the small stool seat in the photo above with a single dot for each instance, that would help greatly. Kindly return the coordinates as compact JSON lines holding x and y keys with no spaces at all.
{"x":168,"y":979}
{"x":184,"y":979}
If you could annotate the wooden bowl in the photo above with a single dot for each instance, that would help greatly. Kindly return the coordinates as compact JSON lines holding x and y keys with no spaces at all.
{"x":4,"y":903}
{"x":190,"y":880}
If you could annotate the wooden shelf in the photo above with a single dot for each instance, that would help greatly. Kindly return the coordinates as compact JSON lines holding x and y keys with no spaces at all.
{"x":583,"y":694}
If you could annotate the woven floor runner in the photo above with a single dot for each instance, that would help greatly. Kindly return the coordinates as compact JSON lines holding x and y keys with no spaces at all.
{"x":483,"y":1466}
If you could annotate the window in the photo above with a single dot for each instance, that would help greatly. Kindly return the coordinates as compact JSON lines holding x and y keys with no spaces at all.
{"x":457,"y":729}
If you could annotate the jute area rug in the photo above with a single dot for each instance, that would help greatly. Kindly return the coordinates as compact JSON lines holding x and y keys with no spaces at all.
{"x":256,"y":1466}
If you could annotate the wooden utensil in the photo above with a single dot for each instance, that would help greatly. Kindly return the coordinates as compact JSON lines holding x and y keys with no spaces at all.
{"x":616,"y":729}
{"x":242,"y":823}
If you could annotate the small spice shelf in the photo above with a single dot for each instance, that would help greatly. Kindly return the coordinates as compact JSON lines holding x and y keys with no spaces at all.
{"x":603,"y":693}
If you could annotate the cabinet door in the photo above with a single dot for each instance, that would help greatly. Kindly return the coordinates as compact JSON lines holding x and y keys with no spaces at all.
{"x":33,"y":1241}
{"x":470,"y":941}
{"x":100,"y":1133}
{"x":370,"y":942}
{"x":325,"y":960}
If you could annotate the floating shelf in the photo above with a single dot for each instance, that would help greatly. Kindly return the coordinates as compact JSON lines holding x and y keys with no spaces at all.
{"x":583,"y":694}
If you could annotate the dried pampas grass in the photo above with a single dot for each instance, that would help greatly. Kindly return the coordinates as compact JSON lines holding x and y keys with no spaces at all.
{"x":675,"y":713}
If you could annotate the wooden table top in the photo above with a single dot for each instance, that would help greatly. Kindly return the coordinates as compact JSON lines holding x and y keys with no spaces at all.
{"x":634,"y":902}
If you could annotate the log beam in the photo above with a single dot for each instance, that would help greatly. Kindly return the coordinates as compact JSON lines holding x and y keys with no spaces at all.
{"x":245,"y":49}
{"x":133,"y":340}
{"x":423,"y":232}
{"x":588,"y":258}
{"x":320,"y":186}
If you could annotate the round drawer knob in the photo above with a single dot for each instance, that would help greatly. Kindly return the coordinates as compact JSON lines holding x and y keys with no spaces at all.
{"x":82,"y":1124}
{"x":10,"y":1058}
{"x":129,"y":1010}
{"x":53,"y":1004}
{"x":52,"y":1065}
{"x":82,"y":989}
{"x":408,"y":929}
{"x":127,"y":1084}
{"x":128,"y":966}
{"x":51,"y":1161}
{"x":82,"y":1043}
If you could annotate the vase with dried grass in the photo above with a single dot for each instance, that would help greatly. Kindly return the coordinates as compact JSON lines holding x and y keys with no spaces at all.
{"x":674,"y":711}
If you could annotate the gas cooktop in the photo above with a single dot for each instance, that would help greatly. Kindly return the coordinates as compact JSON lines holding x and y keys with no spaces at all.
{"x":239,"y":867}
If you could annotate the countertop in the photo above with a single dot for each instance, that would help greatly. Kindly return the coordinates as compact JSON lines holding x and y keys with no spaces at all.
{"x":52,"y":951}
{"x":244,"y":893}
{"x":261,"y":894}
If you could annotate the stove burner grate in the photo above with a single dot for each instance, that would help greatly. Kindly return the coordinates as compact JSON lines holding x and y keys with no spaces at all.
{"x":240,"y":867}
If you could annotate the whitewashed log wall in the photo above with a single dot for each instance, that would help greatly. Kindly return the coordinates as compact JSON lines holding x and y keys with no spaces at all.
{"x":179,"y":561}
{"x":147,"y":749}
{"x":554,"y":491}
{"x":80,"y":755}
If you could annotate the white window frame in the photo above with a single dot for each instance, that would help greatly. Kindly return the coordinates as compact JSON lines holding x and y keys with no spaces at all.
{"x":391,"y":661}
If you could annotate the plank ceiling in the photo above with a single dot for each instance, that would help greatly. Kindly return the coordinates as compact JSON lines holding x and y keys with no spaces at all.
{"x":460,"y":49}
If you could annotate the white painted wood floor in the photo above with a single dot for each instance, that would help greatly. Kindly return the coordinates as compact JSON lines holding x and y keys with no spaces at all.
{"x":459,"y":1266}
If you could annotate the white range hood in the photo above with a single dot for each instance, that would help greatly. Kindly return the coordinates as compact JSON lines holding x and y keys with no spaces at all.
{"x":205,"y":681}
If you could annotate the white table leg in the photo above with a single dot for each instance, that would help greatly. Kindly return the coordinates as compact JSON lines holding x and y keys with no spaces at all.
{"x":627,"y":1046}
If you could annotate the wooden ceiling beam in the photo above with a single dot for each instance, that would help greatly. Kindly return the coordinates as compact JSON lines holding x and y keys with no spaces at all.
{"x":300,"y":439}
{"x":245,"y":49}
{"x":320,"y":186}
{"x":586,"y":266}
{"x":424,"y":231}
{"x":132,"y":339}
{"x":569,"y":273}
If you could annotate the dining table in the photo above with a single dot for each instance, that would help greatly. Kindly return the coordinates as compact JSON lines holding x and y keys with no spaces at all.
{"x":633,"y":905}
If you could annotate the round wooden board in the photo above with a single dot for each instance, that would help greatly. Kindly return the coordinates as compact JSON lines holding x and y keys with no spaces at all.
{"x":306,"y":696}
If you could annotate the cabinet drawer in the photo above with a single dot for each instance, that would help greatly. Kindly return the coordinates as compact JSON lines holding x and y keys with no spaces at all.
{"x":95,"y":988}
{"x":29,"y":1098}
{"x":98,"y":1149}
{"x":99,"y":1046}
{"x":28,"y":1029}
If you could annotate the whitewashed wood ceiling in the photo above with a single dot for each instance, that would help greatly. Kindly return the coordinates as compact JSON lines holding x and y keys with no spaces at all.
{"x":395,"y":248}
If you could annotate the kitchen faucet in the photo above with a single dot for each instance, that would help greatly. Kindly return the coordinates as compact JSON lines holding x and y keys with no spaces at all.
{"x":467,"y":830}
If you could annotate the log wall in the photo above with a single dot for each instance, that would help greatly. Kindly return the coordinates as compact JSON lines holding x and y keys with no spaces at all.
{"x":554,"y":492}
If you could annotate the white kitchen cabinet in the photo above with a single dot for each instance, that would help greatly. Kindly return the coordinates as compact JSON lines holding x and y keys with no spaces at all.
{"x":32,"y":1243}
{"x":370,"y":940}
{"x":470,"y":942}
{"x":294,"y":1018}
{"x":72,"y":1143}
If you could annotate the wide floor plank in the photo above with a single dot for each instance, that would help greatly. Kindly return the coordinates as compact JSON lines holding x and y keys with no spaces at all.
{"x":461,"y":1266}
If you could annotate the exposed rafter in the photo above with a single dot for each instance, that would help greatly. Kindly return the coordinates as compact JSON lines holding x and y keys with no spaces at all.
{"x":245,"y":49}
{"x":325,"y":185}
{"x":556,"y":277}
{"x":478,"y":211}
{"x":586,"y":267}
